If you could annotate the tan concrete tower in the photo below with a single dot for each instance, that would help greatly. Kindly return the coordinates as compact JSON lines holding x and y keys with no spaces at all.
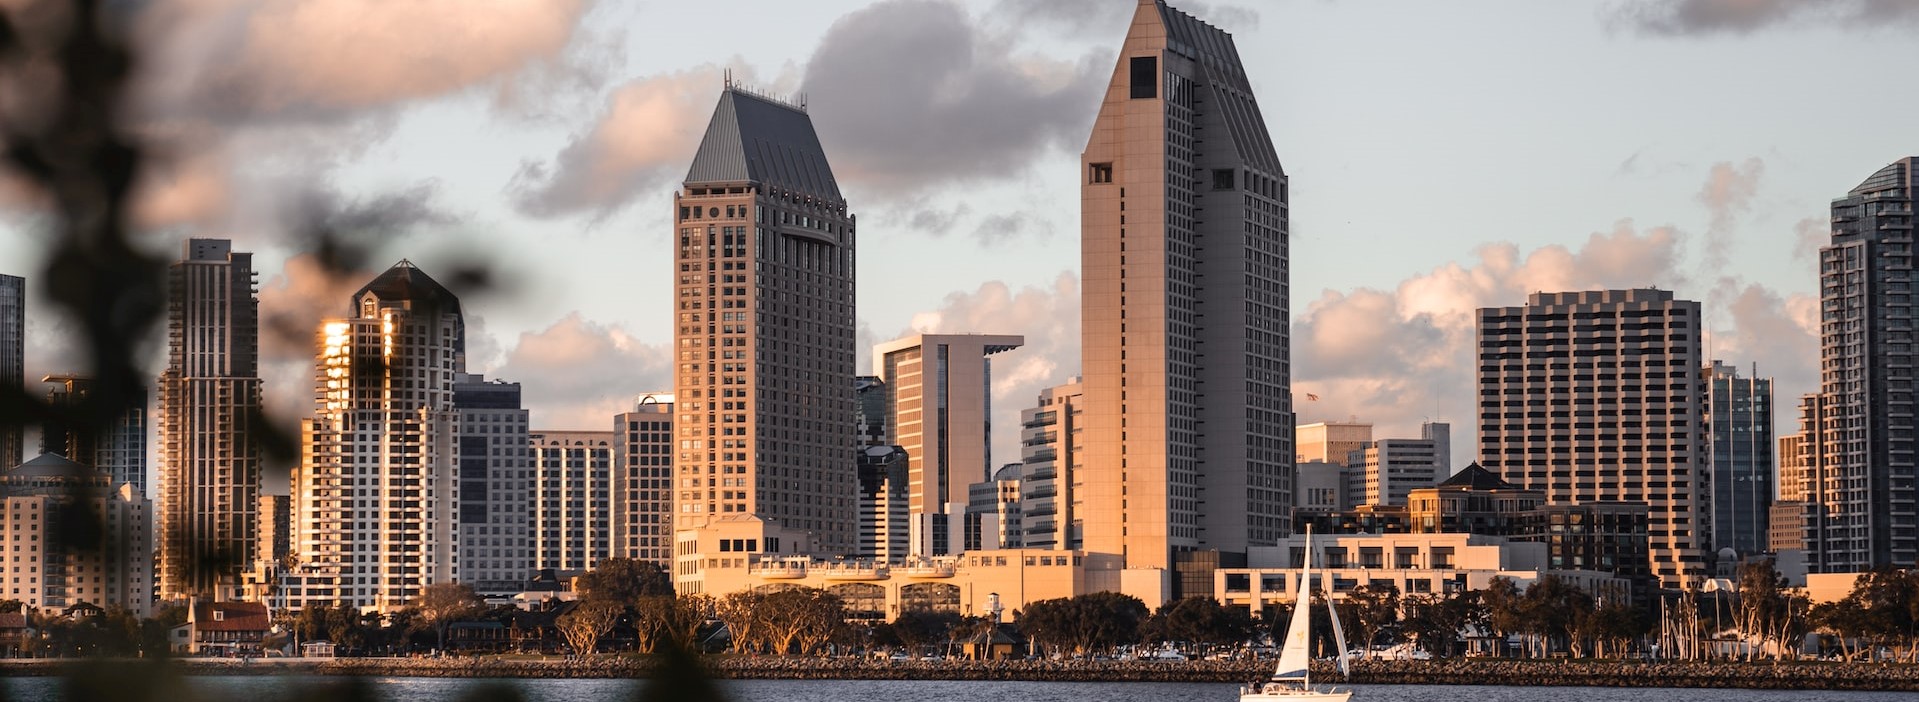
{"x":1184,"y":257}
{"x":939,"y":405}
{"x":764,"y":329}
{"x":1595,"y":396}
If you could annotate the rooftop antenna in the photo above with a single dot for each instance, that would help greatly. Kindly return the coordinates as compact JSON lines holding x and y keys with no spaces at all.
{"x":728,"y":73}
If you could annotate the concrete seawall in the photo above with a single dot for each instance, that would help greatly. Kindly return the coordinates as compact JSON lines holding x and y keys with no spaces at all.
{"x":1782,"y":675}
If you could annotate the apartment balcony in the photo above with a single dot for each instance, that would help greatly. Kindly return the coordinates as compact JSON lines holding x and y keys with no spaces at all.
{"x":778,"y":570}
{"x":851,"y":570}
{"x":925,"y":569}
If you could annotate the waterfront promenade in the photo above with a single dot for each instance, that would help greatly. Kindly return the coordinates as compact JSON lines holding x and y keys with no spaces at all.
{"x":1765,"y":675}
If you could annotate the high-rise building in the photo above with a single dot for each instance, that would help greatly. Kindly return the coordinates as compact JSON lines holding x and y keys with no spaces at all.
{"x":209,"y":400}
{"x":1384,"y":471}
{"x":13,"y":364}
{"x":1051,"y":473}
{"x":276,"y":524}
{"x":939,"y":407}
{"x":883,"y":524}
{"x":643,"y":482}
{"x":1739,"y":447}
{"x":58,"y":566}
{"x":118,"y":447}
{"x":1596,"y":396}
{"x":869,"y":401}
{"x":993,"y":511}
{"x":1863,"y":499}
{"x":764,"y":308}
{"x":377,"y":491}
{"x":1321,"y":487}
{"x":1183,"y":251}
{"x":1786,"y":521}
{"x":1332,"y":442}
{"x":572,"y":498}
{"x":496,"y":485}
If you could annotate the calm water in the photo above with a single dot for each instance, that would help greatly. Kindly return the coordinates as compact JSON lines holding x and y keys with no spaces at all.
{"x":269,"y":689}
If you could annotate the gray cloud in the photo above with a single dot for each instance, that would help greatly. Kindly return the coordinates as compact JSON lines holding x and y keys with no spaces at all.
{"x":1809,"y":235}
{"x":1082,"y":14}
{"x":910,"y":94}
{"x":384,"y":213}
{"x":907,"y":95}
{"x":643,"y":138}
{"x":937,"y":221}
{"x":1704,"y":17}
{"x":997,"y":229}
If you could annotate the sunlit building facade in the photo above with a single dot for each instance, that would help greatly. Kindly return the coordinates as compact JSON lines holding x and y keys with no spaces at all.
{"x":764,"y":328}
{"x":376,"y":494}
{"x":1862,"y":488}
{"x":1183,"y":251}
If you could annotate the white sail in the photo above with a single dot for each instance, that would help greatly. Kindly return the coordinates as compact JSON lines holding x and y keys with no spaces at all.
{"x":1290,"y":681}
{"x":1295,"y":655}
{"x":1339,"y":639}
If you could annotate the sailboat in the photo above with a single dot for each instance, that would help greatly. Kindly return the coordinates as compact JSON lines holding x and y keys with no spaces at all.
{"x":1291,"y":680}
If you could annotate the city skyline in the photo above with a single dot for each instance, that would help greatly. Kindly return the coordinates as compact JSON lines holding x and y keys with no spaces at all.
{"x":1165,"y":456}
{"x":1720,"y":184}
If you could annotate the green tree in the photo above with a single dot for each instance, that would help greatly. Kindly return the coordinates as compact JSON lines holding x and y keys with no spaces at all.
{"x":586,"y":624}
{"x":1768,"y":610}
{"x":1556,"y":613}
{"x":1614,"y":625}
{"x":1505,"y":609}
{"x":1200,"y":620}
{"x":1374,"y":608}
{"x":1095,"y":621}
{"x":1884,"y":600}
{"x":673,"y":621}
{"x":625,"y":581}
{"x":743,"y":616}
{"x":1435,"y":622}
{"x":918,"y":630}
{"x":441,"y":604}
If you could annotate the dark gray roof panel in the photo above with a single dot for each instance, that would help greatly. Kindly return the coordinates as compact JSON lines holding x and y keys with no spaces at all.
{"x":404,"y":281}
{"x":1216,"y":53}
{"x":1474,"y":477}
{"x":755,"y":139}
{"x":1892,"y":176}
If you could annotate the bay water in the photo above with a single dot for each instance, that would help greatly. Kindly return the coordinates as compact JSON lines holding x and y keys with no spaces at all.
{"x":272,"y":689}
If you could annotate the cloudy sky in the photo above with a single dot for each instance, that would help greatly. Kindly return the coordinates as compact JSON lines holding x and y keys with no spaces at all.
{"x":1443,"y":156}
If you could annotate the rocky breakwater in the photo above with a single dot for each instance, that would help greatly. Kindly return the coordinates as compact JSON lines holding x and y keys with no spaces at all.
{"x":1477,"y":671}
{"x":1775,"y":675}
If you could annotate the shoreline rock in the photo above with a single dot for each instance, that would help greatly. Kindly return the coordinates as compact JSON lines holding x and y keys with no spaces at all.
{"x":1785,"y":675}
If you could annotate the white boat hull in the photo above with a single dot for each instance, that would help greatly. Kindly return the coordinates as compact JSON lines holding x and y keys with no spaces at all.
{"x":1272,"y":693}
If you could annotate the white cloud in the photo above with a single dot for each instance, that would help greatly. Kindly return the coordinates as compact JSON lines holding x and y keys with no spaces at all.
{"x":1049,"y":319}
{"x":577,"y":374}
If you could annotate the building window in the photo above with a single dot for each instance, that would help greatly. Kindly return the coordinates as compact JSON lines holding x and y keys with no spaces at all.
{"x":1100,"y":173}
{"x":1145,"y":72}
{"x":1222,"y":179}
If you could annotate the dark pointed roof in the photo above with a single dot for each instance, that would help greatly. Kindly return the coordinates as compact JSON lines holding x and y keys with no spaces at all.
{"x":48,"y":465}
{"x":1473,"y":477}
{"x":1213,"y":49}
{"x":760,"y":140}
{"x":405,"y":281}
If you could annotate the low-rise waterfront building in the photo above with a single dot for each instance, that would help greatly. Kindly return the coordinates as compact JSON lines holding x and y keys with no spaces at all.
{"x":54,"y":566}
{"x":1414,"y":564}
